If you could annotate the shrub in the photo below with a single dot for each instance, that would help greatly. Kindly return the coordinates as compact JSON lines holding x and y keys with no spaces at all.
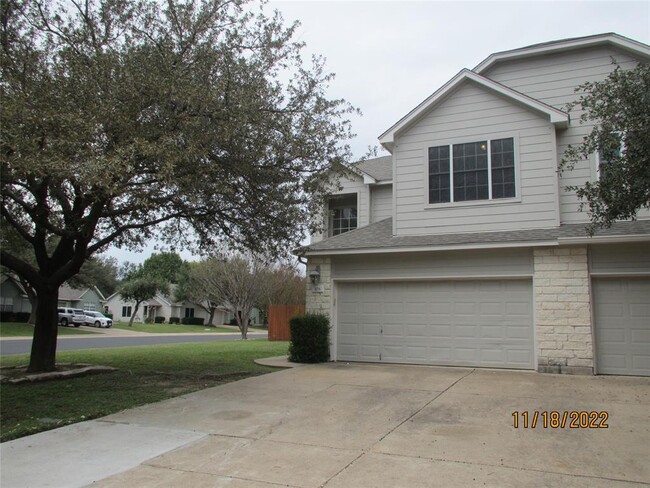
{"x":192,"y":320}
{"x":174,"y":320}
{"x":310,"y":338}
{"x":233,"y":321}
{"x":109,"y":315}
{"x":22,"y":317}
{"x":159,"y":320}
{"x":6,"y":316}
{"x":148,"y":320}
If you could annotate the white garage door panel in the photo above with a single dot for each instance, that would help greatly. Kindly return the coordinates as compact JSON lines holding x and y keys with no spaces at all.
{"x":622,"y":321}
{"x":465,"y":323}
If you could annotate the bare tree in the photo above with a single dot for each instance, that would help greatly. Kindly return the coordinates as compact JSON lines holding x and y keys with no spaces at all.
{"x":236,"y":282}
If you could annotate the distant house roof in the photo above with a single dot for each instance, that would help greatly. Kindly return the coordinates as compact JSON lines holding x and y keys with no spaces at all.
{"x":68,"y":293}
{"x":378,"y":237}
{"x":381,"y":169}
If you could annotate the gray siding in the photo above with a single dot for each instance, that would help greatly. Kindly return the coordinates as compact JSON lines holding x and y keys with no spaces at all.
{"x":474,"y":113}
{"x":356,"y":185}
{"x":552,"y":80}
{"x":448,"y":264}
{"x":381,"y":202}
{"x":620,"y":258}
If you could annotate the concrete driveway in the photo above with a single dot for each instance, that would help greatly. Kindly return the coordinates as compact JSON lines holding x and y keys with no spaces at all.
{"x":360,"y":425}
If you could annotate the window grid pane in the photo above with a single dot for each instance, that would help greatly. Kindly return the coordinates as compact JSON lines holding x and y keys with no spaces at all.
{"x":439,"y":174}
{"x":344,"y":220}
{"x":470,"y":171}
{"x":502,"y":156}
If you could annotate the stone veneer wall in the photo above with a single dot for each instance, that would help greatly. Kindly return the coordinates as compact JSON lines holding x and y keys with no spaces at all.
{"x":562,"y":311}
{"x":320,"y":300}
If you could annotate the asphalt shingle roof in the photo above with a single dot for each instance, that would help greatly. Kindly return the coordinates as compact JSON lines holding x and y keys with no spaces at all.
{"x":380,"y":235}
{"x":380,"y":169}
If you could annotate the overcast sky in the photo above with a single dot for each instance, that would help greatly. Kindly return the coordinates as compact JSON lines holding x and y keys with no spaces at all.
{"x":388,"y":56}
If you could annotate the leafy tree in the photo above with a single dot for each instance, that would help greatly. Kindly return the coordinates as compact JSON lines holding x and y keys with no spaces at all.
{"x":97,"y":271}
{"x":166,"y":267}
{"x":139,"y":290}
{"x":125,"y":120}
{"x":619,"y":106}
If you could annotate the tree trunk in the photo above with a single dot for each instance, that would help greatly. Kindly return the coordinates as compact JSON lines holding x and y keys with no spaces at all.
{"x":242,"y":322}
{"x":135,"y":310}
{"x":43,"y":357}
{"x":211,"y":319}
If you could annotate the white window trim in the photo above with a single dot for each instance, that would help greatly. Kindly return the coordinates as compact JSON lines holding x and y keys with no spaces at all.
{"x":621,"y":150}
{"x":329,"y":231}
{"x":472,"y":203}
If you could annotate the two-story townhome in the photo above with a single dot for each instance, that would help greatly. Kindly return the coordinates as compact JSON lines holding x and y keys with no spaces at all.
{"x":464,"y":248}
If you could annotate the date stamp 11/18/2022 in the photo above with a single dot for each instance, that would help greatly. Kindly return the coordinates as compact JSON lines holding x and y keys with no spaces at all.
{"x":554,"y":419}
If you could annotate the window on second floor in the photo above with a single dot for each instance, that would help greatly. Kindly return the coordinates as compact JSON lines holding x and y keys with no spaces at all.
{"x":483,"y":170}
{"x":606,"y":155}
{"x":343,"y":213}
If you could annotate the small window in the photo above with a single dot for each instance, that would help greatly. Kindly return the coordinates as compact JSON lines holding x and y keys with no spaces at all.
{"x":89,"y":306}
{"x":606,"y":155}
{"x":344,"y":220}
{"x":483,"y":170}
{"x":189,"y":312}
{"x":126,"y":311}
{"x":343,"y":213}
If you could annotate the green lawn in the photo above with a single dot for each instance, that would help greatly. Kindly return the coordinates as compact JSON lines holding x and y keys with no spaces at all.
{"x":171,"y":328}
{"x":146,"y":374}
{"x":14,"y":329}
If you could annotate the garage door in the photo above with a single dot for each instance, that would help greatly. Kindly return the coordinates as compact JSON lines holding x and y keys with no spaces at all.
{"x":622,"y":323}
{"x":463,"y":323}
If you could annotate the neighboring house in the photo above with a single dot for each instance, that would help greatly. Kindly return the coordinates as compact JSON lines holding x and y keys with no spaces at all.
{"x":83,"y":298}
{"x":482,"y":258}
{"x":161,"y":305}
{"x":12,"y":296}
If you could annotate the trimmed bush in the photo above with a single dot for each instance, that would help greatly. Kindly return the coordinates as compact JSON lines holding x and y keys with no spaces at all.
{"x":159,"y":320}
{"x":109,"y":315}
{"x":22,"y":317}
{"x":174,"y":320}
{"x":6,"y":316}
{"x":233,"y":321}
{"x":310,"y":338}
{"x":192,"y":320}
{"x":148,"y":320}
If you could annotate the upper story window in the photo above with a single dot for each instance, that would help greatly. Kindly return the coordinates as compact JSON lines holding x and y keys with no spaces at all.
{"x":343,"y":213}
{"x":613,"y":151}
{"x":483,"y":170}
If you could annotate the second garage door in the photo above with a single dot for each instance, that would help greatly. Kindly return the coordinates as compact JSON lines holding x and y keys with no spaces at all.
{"x":485,"y":323}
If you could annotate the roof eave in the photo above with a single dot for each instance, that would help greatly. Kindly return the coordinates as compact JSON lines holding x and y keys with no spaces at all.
{"x":613,"y":39}
{"x":556,"y":117}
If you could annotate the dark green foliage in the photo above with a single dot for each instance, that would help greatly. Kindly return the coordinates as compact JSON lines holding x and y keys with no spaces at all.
{"x":159,"y":320}
{"x":192,"y":320}
{"x":174,"y":320}
{"x":21,"y":317}
{"x":619,"y":106}
{"x":310,"y":338}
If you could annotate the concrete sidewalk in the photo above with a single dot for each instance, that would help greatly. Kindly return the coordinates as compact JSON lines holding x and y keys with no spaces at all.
{"x":355,"y":425}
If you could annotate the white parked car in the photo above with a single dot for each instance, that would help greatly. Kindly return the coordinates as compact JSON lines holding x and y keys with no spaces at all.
{"x":96,"y":319}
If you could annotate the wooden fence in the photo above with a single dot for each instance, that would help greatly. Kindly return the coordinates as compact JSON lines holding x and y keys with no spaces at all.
{"x":279,"y":316}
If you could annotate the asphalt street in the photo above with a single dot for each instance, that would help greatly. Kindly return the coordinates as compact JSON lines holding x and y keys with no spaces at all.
{"x":21,"y":346}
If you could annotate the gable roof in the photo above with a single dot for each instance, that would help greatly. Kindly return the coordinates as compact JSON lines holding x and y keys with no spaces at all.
{"x":381,"y":168}
{"x":557,"y":117}
{"x":379,"y":238}
{"x":610,"y":38}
